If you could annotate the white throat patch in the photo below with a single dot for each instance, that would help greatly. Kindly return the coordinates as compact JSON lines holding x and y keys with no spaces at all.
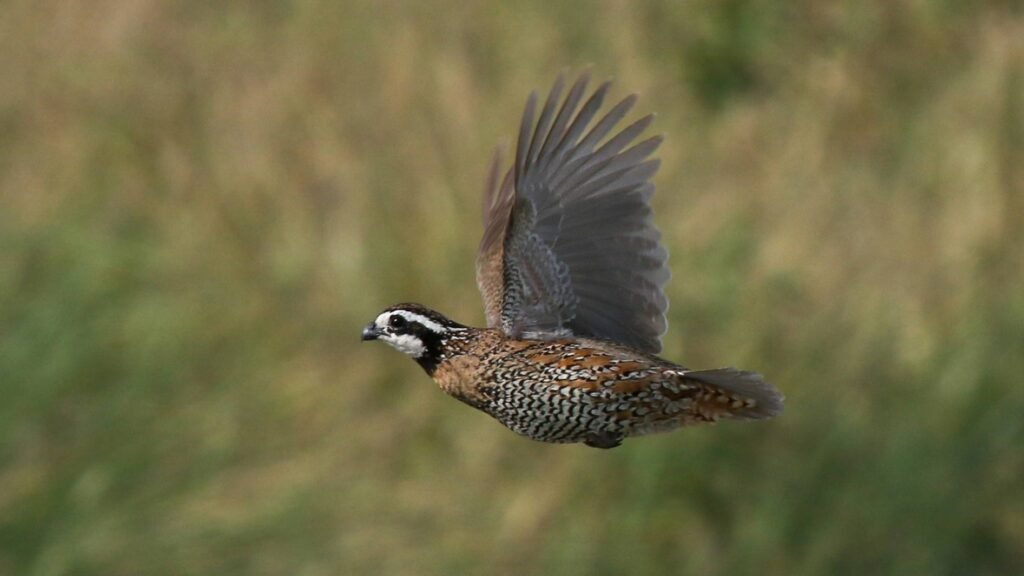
{"x":406,"y":344}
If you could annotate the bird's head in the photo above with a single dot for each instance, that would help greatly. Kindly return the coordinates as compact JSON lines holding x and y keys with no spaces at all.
{"x":414,"y":330}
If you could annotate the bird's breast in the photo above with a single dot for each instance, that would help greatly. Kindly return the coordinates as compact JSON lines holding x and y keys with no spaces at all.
{"x":460,"y":377}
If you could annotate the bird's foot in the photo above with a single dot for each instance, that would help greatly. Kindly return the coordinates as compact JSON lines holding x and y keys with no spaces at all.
{"x":604,"y":439}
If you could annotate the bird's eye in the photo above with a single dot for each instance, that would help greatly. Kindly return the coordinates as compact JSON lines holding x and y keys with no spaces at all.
{"x":396,"y":322}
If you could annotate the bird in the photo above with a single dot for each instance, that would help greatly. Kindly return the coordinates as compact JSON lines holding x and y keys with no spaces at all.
{"x":572,"y":273}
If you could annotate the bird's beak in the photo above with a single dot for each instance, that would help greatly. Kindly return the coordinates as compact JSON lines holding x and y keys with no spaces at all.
{"x":370,"y":332}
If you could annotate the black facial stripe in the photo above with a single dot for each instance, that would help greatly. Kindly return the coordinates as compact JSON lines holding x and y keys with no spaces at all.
{"x":433,"y":343}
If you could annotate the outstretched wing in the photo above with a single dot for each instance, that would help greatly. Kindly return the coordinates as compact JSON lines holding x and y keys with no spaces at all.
{"x":569,"y":246}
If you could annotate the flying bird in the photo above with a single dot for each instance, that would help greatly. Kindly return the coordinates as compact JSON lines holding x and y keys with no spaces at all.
{"x":572,"y":274}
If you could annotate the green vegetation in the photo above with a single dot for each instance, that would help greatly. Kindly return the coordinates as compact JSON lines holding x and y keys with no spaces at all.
{"x":202,"y":203}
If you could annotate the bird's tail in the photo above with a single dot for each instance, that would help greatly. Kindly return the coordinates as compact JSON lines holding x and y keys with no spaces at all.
{"x":732,"y":393}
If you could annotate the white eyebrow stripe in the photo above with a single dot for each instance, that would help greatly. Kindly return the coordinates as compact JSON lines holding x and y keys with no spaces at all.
{"x":414,"y":317}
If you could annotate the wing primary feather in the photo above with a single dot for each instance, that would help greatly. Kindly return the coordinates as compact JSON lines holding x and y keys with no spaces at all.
{"x":523,"y":142}
{"x":491,"y":188}
{"x":619,"y":181}
{"x":620,"y":164}
{"x":603,"y":155}
{"x":540,"y":131}
{"x":565,"y":113}
{"x":628,"y":134}
{"x":583,"y":152}
{"x":604,"y":125}
{"x":587,"y":113}
{"x":638,"y":152}
{"x":576,"y":128}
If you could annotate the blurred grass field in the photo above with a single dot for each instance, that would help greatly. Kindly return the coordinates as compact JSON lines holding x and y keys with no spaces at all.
{"x":202,"y":203}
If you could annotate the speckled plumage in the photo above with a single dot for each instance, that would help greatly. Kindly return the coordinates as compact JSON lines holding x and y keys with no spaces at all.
{"x":572,"y":389}
{"x":572,"y":271}
{"x":580,"y":390}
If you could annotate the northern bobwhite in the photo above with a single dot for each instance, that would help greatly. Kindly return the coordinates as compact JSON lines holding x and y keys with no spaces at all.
{"x":572,"y":272}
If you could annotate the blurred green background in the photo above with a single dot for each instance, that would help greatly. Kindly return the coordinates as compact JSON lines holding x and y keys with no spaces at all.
{"x":202,"y":203}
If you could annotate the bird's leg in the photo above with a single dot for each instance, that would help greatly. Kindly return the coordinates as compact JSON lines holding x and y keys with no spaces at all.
{"x":604,"y":439}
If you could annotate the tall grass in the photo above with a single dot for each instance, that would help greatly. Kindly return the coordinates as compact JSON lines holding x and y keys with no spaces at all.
{"x":201,"y":203}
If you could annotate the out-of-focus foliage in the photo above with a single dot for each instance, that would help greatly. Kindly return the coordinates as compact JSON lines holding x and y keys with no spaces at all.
{"x":201,"y":203}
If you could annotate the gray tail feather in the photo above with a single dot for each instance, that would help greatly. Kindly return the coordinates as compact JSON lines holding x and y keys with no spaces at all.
{"x":748,"y":385}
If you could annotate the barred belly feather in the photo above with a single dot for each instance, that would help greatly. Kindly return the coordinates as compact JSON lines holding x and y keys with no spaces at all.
{"x":569,"y":390}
